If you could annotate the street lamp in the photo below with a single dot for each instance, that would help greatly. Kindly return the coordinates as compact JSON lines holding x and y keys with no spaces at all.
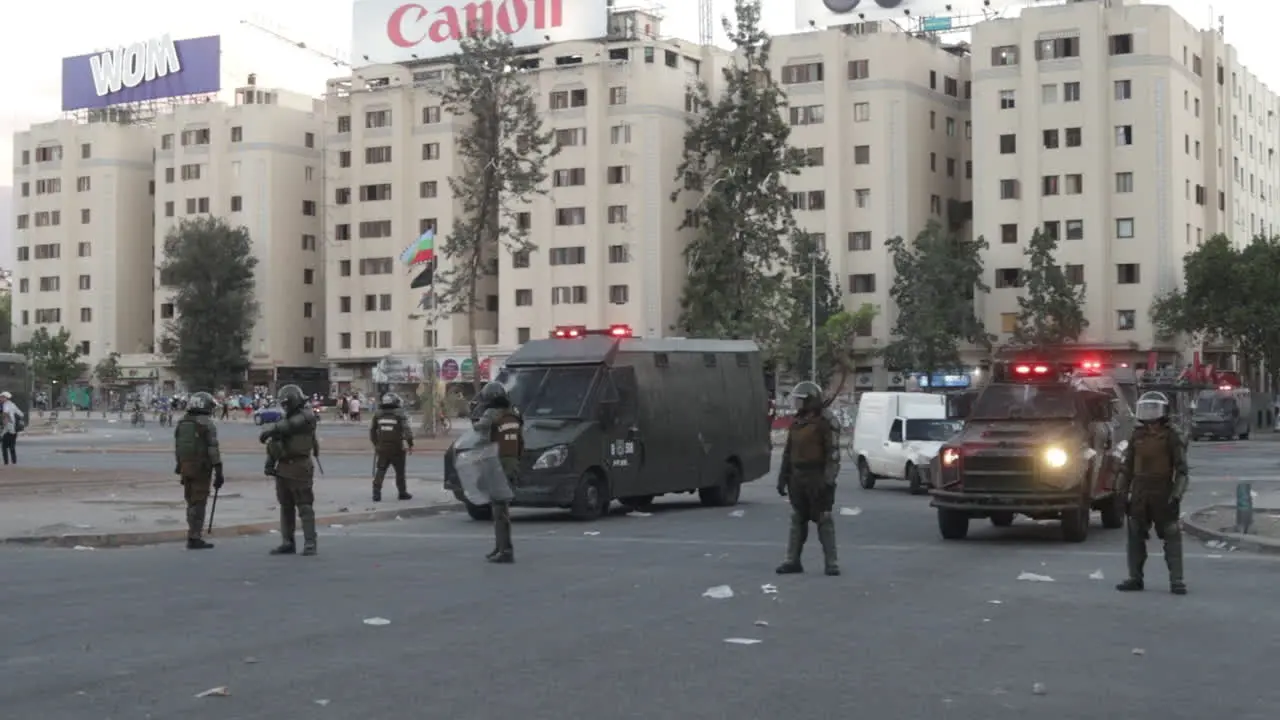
{"x":813,"y":315}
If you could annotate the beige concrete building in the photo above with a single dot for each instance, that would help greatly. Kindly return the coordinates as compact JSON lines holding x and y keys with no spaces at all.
{"x":608,"y":247}
{"x":257,"y":162}
{"x":1131,"y":135}
{"x":884,"y":116}
{"x":82,"y":238}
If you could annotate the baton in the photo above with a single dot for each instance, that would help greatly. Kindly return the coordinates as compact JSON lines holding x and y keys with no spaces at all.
{"x":213,"y":507}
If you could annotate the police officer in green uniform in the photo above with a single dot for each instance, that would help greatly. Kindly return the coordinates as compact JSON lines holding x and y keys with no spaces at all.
{"x":291,"y":443}
{"x":391,"y":433}
{"x":199,"y":463}
{"x":810,"y":463}
{"x":1153,"y":479}
{"x":500,"y":422}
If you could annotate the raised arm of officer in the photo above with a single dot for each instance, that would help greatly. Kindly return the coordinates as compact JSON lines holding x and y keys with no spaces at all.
{"x":1124,"y":474}
{"x":833,"y":447}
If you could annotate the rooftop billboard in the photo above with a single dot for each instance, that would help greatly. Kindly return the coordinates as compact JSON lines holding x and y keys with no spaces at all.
{"x":395,"y":31}
{"x":148,"y":70}
{"x":825,"y":13}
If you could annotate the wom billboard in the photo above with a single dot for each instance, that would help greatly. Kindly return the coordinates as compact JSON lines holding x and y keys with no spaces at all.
{"x":825,"y":13}
{"x":156,"y":68}
{"x":396,"y":31}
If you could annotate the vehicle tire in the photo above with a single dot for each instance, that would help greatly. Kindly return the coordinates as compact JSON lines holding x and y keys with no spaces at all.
{"x":637,"y":502}
{"x":1113,"y":512}
{"x":1075,"y":524}
{"x":866,"y":478}
{"x":1195,"y":438}
{"x":953,"y":524}
{"x":483,"y":513}
{"x":257,"y":419}
{"x":725,"y":494}
{"x":1002,"y":519}
{"x":591,"y":499}
{"x":915,"y":483}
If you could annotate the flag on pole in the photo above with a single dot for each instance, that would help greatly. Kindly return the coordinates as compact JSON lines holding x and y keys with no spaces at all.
{"x":423,"y":250}
{"x":425,"y":278}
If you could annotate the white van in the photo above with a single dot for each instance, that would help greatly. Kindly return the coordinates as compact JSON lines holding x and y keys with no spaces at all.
{"x":896,"y":433}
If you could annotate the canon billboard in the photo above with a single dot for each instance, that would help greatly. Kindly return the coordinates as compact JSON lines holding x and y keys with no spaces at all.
{"x":146,"y":70}
{"x":396,"y":31}
{"x":825,"y":13}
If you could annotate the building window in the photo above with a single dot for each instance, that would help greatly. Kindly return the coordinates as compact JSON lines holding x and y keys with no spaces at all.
{"x":569,"y":295}
{"x":431,"y":115}
{"x":859,"y":69}
{"x":571,"y":137}
{"x":1004,"y":55}
{"x":1074,"y":137}
{"x":1049,"y":185}
{"x":567,"y":256}
{"x":84,"y":216}
{"x":237,"y":134}
{"x":862,"y":155}
{"x":1008,"y":144}
{"x":859,"y":241}
{"x":1008,"y":277}
{"x":308,"y":276}
{"x":1126,"y":319}
{"x":862,"y":198}
{"x":1075,"y":229}
{"x":1074,"y":184}
{"x":1124,"y":135}
{"x":801,"y":73}
{"x":1009,"y":234}
{"x":1053,"y":230}
{"x":308,"y":208}
{"x":617,"y":214}
{"x":861,"y":112}
{"x":862,"y":284}
{"x":1124,"y":227}
{"x":344,"y":124}
{"x":620,"y":135}
{"x":519,"y":259}
{"x":1008,"y":99}
{"x":522,"y":335}
{"x":237,"y":203}
{"x":618,"y":174}
{"x":619,"y":294}
{"x":619,"y":254}
{"x":1121,"y":44}
{"x":1008,"y":322}
{"x":1123,"y":89}
{"x":377,"y":118}
{"x":430,"y":151}
{"x":344,"y":341}
{"x":618,"y":95}
{"x":428,"y":189}
{"x":1058,"y":48}
{"x":571,"y":216}
{"x":86,"y":315}
{"x":1049,"y":93}
{"x":86,"y":282}
{"x":811,"y":114}
{"x":377,"y":155}
{"x":1071,"y":92}
{"x":1128,"y":274}
{"x":524,"y":297}
{"x":571,"y":177}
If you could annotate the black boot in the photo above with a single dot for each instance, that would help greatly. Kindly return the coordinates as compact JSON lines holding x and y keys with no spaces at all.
{"x":503,"y":557}
{"x":827,"y":535}
{"x":402,"y":495}
{"x":797,"y":534}
{"x":307,"y":515}
{"x":198,"y":544}
{"x":1131,"y":585}
{"x":286,"y":548}
{"x":377,"y":494}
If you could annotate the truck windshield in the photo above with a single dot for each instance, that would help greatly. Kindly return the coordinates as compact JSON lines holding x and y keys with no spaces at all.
{"x":932,"y":430}
{"x":549,"y":392}
{"x":1025,"y":402}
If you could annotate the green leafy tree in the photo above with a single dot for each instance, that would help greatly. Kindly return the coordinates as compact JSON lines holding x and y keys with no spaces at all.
{"x":107,"y":371}
{"x":502,"y":155}
{"x":812,"y":300}
{"x":209,"y":266}
{"x":6,"y":322}
{"x":737,"y":160}
{"x":55,"y":359}
{"x":1050,"y":309}
{"x":935,"y":280}
{"x":839,"y":334}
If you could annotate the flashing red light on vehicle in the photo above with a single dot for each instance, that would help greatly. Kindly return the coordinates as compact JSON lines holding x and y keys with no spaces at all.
{"x":1031,"y":370}
{"x":620,"y":331}
{"x":1023,"y":369}
{"x":570,"y":332}
{"x":1091,"y":365}
{"x":1224,"y":387}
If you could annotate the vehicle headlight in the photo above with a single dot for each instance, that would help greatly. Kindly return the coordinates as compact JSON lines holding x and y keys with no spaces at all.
{"x":552,"y":458}
{"x":1056,"y":457}
{"x":950,"y":456}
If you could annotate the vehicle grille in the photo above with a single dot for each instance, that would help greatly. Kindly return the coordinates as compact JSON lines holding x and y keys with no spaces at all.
{"x":999,"y":473}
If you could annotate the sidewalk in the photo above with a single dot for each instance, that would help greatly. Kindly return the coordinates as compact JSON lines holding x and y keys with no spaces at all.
{"x":1216,"y":524}
{"x":102,"y":511}
{"x":333,"y":445}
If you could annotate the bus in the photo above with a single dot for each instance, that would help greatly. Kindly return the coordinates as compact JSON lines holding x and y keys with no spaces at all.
{"x":16,"y":379}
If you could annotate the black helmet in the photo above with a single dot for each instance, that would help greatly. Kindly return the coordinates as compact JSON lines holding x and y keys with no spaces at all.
{"x":200,"y":403}
{"x":390,"y":401}
{"x":806,"y":396}
{"x":493,"y":394}
{"x":291,"y":398}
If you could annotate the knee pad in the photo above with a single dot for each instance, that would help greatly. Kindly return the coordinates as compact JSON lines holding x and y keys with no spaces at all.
{"x":306,"y":511}
{"x":796,"y":517}
{"x":824,"y":518}
{"x":1171,"y":531}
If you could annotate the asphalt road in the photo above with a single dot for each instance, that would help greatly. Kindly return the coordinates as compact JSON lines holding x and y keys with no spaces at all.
{"x":614,"y":625}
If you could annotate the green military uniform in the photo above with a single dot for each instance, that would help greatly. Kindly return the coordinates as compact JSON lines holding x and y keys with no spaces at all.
{"x":501,"y":423}
{"x":810,"y":464}
{"x":198,"y":463}
{"x":390,"y":432}
{"x":291,"y":444}
{"x":1153,"y":479}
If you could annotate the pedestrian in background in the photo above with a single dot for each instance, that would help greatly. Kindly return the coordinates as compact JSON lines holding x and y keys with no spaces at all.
{"x":12,"y":419}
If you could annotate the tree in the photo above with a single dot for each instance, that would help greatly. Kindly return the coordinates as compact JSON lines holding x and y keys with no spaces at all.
{"x":839,"y":334}
{"x":54,"y":359}
{"x":209,"y":266}
{"x":811,"y":302}
{"x":107,"y":371}
{"x":737,"y":158}
{"x":936,"y":278}
{"x":6,"y":322}
{"x":1051,"y":309}
{"x":502,"y":155}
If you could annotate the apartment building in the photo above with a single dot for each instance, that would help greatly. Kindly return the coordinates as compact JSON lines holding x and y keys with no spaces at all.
{"x":258,"y":163}
{"x":608,"y":248}
{"x":82,"y":233}
{"x":1131,"y":136}
{"x":884,"y":118}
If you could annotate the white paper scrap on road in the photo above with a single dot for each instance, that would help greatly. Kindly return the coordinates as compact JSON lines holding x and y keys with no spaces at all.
{"x":762,"y":623}
{"x":768,"y":589}
{"x":1139,"y":651}
{"x":337,"y":526}
{"x":851,"y":512}
{"x":1039,"y":689}
{"x":322,"y":703}
{"x":220,"y":691}
{"x":1213,"y":557}
{"x":84,"y":547}
{"x":376,"y":621}
{"x":738,"y":513}
{"x":743,"y":641}
{"x":1096,"y":575}
{"x":719,"y":592}
{"x":1216,"y":544}
{"x":995,"y":602}
{"x":591,"y":533}
{"x":1033,"y":577}
{"x":637,"y":513}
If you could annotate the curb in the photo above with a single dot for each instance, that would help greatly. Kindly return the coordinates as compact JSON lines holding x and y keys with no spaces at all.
{"x":120,"y":540}
{"x":169,"y":451}
{"x":1253,"y":543}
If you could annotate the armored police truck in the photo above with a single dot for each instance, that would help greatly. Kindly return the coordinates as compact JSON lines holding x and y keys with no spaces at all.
{"x":611,"y":416}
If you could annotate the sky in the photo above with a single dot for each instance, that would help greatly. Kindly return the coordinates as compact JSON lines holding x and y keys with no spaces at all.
{"x":36,"y":35}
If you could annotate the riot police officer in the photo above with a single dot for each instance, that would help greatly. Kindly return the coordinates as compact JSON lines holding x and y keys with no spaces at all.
{"x":500,"y":423}
{"x":392,"y":436}
{"x":291,"y":444}
{"x":198,"y":462}
{"x":1153,"y":479}
{"x":810,"y":463}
